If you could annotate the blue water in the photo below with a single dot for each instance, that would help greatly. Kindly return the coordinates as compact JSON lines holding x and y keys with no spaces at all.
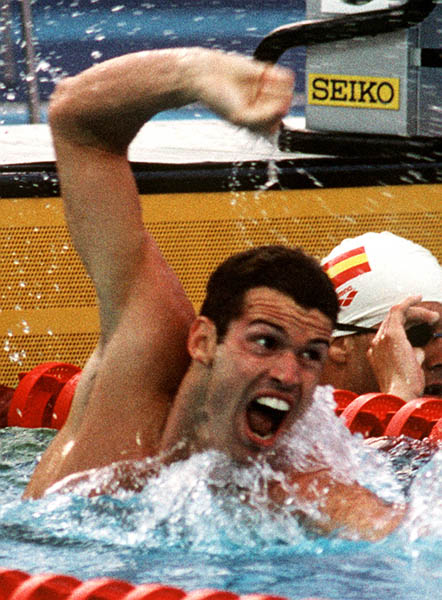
{"x":178,"y":532}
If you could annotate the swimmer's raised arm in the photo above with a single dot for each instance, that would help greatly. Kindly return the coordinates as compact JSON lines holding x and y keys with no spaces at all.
{"x":107,"y":104}
{"x":124,"y":395}
{"x":95,"y":115}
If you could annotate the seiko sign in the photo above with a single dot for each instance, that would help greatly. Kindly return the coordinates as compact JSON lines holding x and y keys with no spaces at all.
{"x":353,"y":90}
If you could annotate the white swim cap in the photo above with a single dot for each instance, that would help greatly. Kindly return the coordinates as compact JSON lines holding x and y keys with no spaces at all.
{"x":374,"y":271}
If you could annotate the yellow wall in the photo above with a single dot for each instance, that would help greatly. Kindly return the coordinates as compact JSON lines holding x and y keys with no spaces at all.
{"x":48,"y":311}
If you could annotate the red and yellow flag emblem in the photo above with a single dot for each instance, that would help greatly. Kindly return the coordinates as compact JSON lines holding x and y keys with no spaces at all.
{"x":346,"y":266}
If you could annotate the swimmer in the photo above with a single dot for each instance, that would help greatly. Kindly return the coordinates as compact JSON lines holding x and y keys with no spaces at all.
{"x":162,"y":382}
{"x":389,"y":337}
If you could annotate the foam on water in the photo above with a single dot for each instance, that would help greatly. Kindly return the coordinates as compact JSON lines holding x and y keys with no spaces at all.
{"x":199,"y":502}
{"x":188,"y":528}
{"x":424,"y":517}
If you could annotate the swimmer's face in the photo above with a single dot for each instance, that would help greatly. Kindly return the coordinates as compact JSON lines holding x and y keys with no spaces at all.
{"x":432,"y":364}
{"x":360,"y":377}
{"x":264,"y":372}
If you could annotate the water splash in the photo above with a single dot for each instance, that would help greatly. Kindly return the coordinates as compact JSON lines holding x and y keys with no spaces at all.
{"x":424,"y":516}
{"x":208,"y":500}
{"x":272,"y":168}
{"x":321,"y":440}
{"x":178,"y":531}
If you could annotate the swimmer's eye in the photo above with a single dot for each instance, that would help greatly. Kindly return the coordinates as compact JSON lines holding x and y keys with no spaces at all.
{"x":264,"y":342}
{"x":313,"y":355}
{"x":267,"y":342}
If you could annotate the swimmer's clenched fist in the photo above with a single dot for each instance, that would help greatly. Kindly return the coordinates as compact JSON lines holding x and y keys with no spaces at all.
{"x":246,"y":92}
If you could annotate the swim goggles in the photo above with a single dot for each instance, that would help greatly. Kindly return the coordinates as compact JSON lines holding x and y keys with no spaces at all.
{"x":418,"y":335}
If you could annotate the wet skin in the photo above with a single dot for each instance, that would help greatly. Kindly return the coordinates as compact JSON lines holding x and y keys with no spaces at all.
{"x":239,"y":396}
{"x":263,"y":374}
{"x":432,"y":364}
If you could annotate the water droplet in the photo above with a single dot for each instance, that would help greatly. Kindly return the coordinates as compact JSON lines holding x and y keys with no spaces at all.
{"x":43,"y":65}
{"x":15,"y":357}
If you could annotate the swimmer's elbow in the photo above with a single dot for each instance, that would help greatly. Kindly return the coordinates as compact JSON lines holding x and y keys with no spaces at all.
{"x":73,"y":119}
{"x":63,"y":104}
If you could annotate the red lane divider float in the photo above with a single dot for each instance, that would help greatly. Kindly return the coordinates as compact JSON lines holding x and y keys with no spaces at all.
{"x":375,"y":415}
{"x":63,"y":402}
{"x":436,"y":432}
{"x":37,"y":394}
{"x":369,"y":414}
{"x":416,"y":418}
{"x":17,"y":585}
{"x":343,"y":398}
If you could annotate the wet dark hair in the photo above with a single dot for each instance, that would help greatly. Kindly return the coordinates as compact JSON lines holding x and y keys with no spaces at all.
{"x":288,"y":270}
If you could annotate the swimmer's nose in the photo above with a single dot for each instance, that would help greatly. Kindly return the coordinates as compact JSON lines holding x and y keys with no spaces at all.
{"x":285,"y":369}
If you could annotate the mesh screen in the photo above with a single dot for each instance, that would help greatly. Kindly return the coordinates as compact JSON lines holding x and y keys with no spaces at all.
{"x":21,"y":353}
{"x":48,"y":309}
{"x":40,"y":269}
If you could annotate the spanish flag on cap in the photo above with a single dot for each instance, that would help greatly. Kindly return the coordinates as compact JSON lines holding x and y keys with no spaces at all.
{"x":346,"y":266}
{"x":374,"y":271}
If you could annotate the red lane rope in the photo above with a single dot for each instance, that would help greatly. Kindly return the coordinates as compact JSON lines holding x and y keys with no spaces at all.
{"x":34,"y":399}
{"x":378,"y":414}
{"x":44,"y":395}
{"x":18,"y":585}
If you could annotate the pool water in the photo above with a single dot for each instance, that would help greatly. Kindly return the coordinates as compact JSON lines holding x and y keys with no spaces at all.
{"x":178,"y":532}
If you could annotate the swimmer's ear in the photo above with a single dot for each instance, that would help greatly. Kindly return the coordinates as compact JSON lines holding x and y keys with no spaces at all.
{"x":339,"y":350}
{"x":202,"y":340}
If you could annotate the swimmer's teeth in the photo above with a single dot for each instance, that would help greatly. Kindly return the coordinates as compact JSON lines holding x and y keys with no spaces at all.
{"x":274,"y":403}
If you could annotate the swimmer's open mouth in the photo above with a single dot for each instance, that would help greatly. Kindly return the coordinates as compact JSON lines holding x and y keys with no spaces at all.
{"x":265,"y":416}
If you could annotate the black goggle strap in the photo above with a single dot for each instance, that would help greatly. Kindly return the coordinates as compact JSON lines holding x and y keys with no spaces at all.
{"x":354,"y":328}
{"x":418,"y":335}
